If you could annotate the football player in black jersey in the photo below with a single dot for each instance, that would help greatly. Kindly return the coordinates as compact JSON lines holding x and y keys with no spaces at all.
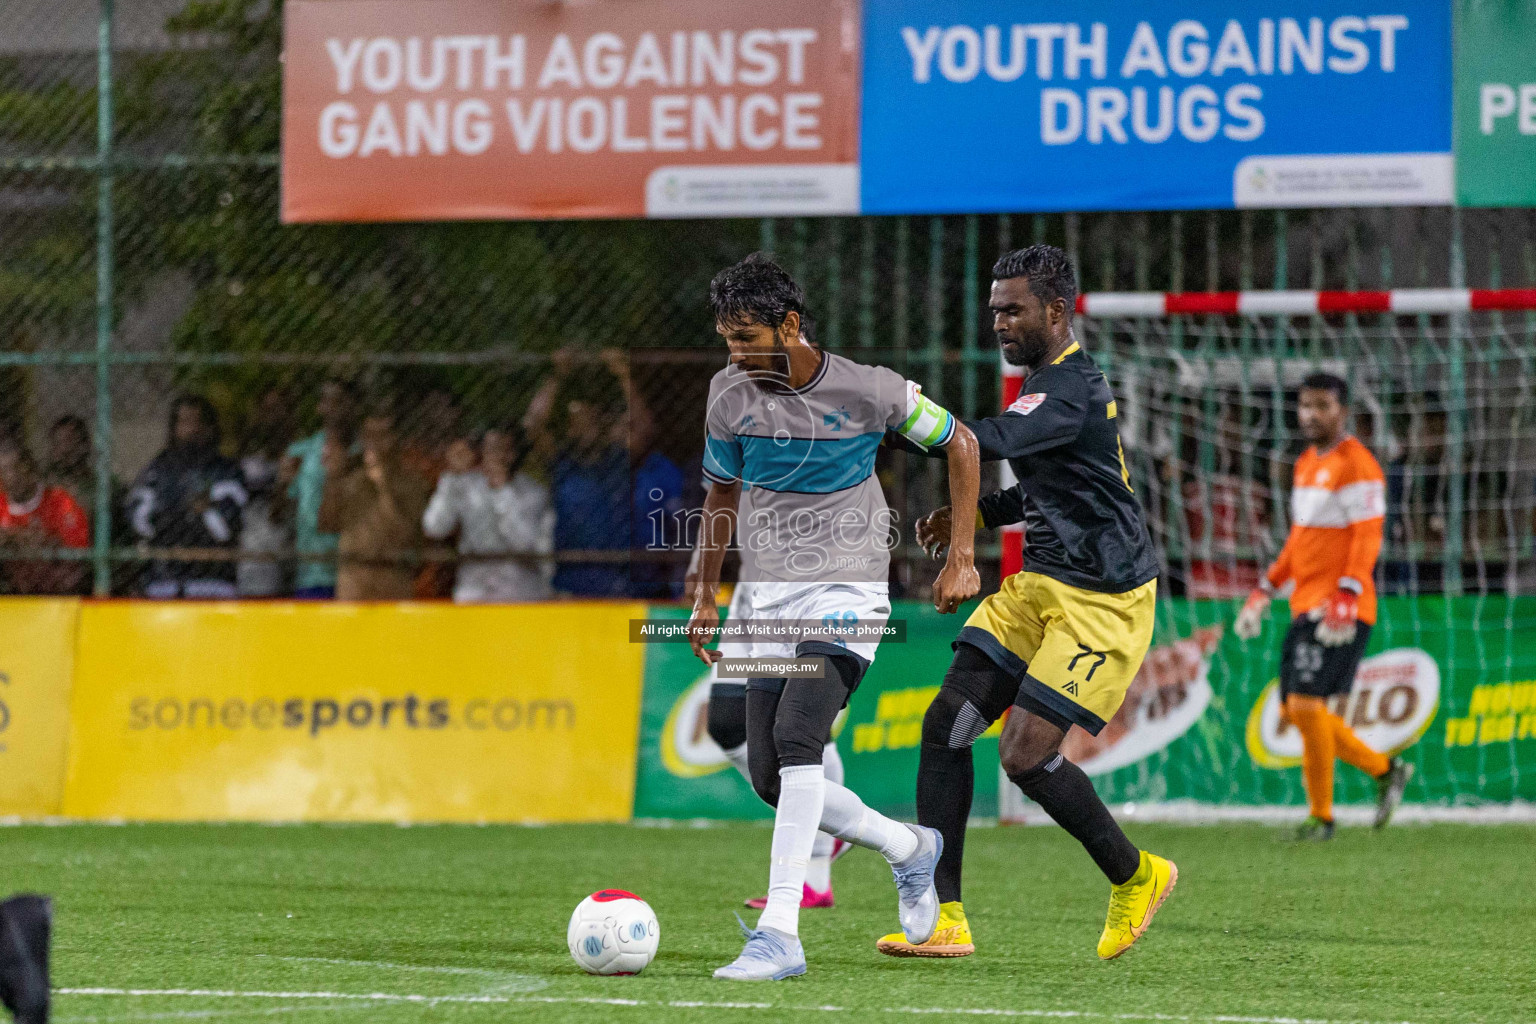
{"x":1060,"y":641}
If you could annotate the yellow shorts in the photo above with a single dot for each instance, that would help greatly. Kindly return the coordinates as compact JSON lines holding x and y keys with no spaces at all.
{"x":1075,"y":651}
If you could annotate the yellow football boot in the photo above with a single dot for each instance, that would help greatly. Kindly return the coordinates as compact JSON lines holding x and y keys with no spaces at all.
{"x":1132,"y":905}
{"x":951,"y":937}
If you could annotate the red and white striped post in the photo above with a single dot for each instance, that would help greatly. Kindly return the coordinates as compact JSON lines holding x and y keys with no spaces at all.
{"x":1259,"y":303}
{"x":1303,"y":303}
{"x":1013,"y":534}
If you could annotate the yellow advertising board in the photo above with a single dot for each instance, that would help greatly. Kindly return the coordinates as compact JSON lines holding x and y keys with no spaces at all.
{"x":37,"y":654}
{"x":297,"y":711}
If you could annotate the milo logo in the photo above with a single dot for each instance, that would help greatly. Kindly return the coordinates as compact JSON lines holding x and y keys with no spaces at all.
{"x":686,"y":749}
{"x":1392,"y":703}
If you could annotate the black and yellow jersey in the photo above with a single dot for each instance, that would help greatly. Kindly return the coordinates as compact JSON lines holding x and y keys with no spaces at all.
{"x":1083,"y":524}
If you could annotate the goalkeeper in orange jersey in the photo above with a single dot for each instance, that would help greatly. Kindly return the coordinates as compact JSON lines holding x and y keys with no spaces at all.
{"x":1338,"y":503}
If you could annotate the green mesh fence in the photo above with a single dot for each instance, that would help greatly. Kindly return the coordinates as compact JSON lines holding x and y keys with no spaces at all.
{"x":143,"y":259}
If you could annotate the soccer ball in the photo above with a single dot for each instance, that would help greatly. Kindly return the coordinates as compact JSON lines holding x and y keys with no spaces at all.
{"x":613,"y":932}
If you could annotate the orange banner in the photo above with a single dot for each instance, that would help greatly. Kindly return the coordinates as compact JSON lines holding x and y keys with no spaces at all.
{"x":466,"y":109}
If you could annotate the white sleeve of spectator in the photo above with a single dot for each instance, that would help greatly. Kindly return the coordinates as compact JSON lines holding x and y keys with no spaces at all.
{"x":231,"y":491}
{"x":142,"y":507}
{"x":546,"y":521}
{"x":225,"y":518}
{"x":217,"y":528}
{"x":440,"y":518}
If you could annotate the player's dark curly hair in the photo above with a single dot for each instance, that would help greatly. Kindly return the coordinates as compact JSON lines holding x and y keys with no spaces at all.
{"x":1048,"y":269}
{"x":757,"y":290}
{"x":1328,"y":382}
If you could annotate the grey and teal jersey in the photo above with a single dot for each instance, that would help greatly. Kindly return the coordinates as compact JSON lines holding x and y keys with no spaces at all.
{"x":814,"y":511}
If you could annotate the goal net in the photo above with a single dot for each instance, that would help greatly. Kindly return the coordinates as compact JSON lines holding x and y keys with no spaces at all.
{"x":1207,"y":403}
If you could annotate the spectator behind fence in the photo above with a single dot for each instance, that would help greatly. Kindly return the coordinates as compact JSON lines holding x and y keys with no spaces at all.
{"x":261,"y":448}
{"x":69,"y":459}
{"x":433,"y":426}
{"x":376,"y":510}
{"x":656,"y":499}
{"x":581,"y":423}
{"x":301,"y":484}
{"x":497,"y":510}
{"x":189,"y":496}
{"x":69,"y":466}
{"x":35,"y":515}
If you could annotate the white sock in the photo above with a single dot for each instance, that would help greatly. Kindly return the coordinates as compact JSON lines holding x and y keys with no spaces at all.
{"x":738,"y":757}
{"x":818,"y":872}
{"x":845,"y":816}
{"x":832,"y":763}
{"x":801,"y":790}
{"x":818,"y":875}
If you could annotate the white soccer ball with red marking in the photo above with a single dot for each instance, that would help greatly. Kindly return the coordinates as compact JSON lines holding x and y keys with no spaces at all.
{"x":613,"y":932}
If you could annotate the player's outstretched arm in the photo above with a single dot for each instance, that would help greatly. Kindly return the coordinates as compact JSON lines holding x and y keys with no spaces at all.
{"x":1008,"y":435}
{"x":715,"y":531}
{"x":959,"y":581}
{"x":1000,"y":508}
{"x":1050,"y":416}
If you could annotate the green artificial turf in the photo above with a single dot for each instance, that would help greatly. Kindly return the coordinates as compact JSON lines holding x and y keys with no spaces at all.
{"x":1421,"y":924}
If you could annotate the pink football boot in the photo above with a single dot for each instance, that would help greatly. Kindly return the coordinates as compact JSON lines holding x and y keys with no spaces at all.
{"x":810,"y":899}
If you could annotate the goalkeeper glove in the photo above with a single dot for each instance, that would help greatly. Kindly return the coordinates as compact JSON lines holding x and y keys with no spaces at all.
{"x":1250,"y":621}
{"x":1339,"y":616}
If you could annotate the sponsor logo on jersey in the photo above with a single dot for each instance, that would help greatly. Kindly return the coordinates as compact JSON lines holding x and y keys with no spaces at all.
{"x":1026,"y":404}
{"x":1395,"y":697}
{"x":836,"y":418}
{"x":747,"y":422}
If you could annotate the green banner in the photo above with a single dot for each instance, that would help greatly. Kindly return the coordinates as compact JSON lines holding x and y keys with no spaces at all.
{"x":682,"y":773}
{"x":1495,"y":102}
{"x":1451,"y":681}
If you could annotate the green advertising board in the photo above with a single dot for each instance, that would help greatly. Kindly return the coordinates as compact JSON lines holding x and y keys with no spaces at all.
{"x":1451,"y":681}
{"x":682,"y":774}
{"x":1495,"y":102}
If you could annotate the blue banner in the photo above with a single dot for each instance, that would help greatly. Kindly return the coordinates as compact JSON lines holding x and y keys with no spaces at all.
{"x":980,"y":106}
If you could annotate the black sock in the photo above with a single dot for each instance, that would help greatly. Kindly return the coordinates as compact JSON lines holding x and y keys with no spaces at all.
{"x":946,"y":782}
{"x":25,"y":925}
{"x":1066,"y":794}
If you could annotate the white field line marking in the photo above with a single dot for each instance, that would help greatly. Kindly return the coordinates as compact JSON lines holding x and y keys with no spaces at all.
{"x":215,"y":993}
{"x":429,"y":968}
{"x":680,"y":1004}
{"x":502,"y":981}
{"x":274,"y":1011}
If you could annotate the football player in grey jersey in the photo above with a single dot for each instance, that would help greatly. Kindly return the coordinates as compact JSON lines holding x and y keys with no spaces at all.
{"x":802,"y":427}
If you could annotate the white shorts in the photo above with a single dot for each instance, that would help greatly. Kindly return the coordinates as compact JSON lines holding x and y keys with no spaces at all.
{"x":825,"y":611}
{"x":739,"y":610}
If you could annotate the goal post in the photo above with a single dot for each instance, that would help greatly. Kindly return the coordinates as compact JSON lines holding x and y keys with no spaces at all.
{"x":1443,"y":391}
